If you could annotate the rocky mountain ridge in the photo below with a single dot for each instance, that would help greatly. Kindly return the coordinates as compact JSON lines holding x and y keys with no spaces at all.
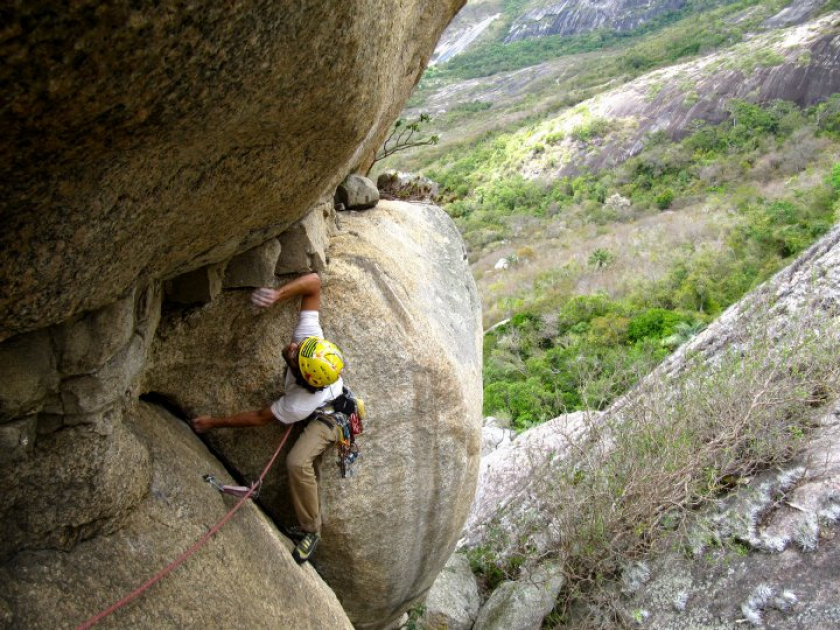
{"x":571,"y":17}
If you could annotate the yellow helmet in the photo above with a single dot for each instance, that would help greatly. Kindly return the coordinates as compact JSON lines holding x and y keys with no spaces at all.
{"x":320,"y":362}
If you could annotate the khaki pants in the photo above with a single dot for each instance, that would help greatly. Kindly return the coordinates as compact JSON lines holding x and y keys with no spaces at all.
{"x":303,"y":481}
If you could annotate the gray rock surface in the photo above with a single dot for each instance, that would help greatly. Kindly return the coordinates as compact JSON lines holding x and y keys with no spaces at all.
{"x":788,"y":579}
{"x":493,"y":438}
{"x":795,"y":13}
{"x":511,"y":472}
{"x":304,"y":245}
{"x":399,"y":300}
{"x":254,"y":268}
{"x":523,"y":604}
{"x":453,"y":601}
{"x":357,"y":193}
{"x":571,"y":17}
{"x":244,"y":577}
{"x":143,"y":142}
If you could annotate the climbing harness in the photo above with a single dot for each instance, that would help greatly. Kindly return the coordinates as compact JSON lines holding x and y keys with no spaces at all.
{"x":344,"y":415}
{"x":196,"y":546}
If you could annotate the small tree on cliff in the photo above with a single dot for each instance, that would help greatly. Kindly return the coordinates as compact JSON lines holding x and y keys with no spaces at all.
{"x":406,"y":135}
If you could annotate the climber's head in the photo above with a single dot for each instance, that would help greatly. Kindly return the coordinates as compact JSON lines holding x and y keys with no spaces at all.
{"x":317,"y":361}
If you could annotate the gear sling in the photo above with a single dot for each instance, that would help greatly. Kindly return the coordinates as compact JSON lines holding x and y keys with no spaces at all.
{"x":344,"y":415}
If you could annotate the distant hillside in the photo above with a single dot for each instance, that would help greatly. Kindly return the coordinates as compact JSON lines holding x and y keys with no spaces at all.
{"x":616,"y":199}
{"x":571,"y":17}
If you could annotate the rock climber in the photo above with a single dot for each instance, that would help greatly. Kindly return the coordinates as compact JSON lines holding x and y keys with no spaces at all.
{"x":313,"y":380}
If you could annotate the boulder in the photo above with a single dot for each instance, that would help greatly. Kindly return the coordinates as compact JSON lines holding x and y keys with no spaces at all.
{"x":523,"y":604}
{"x":88,"y":342}
{"x":357,"y":193}
{"x":143,"y":143}
{"x":400,"y":302}
{"x":493,"y":438}
{"x":71,"y":468}
{"x":304,"y":245}
{"x":102,"y":389}
{"x":254,"y":268}
{"x":244,"y":577}
{"x":453,"y":601}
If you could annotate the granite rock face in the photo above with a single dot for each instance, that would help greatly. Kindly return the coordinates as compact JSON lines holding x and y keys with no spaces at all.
{"x":145,"y":149}
{"x":513,"y":471}
{"x":244,"y":577}
{"x":571,"y":17}
{"x":145,"y":142}
{"x":453,"y":601}
{"x":399,"y":301}
{"x":522,"y":604}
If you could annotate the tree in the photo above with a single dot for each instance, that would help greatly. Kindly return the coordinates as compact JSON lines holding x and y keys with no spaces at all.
{"x":406,"y":135}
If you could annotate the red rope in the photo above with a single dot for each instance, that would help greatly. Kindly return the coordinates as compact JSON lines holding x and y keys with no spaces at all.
{"x":183,"y":557}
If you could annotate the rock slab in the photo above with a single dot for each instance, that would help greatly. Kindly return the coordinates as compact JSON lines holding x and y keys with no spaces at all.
{"x":244,"y":577}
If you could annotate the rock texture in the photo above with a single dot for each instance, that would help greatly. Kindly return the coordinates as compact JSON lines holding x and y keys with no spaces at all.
{"x":357,"y":193}
{"x":790,"y":578}
{"x":72,"y":467}
{"x":571,"y":17}
{"x":145,"y":142}
{"x":467,"y":27}
{"x":512,"y":472}
{"x":453,"y":601}
{"x":399,"y":300}
{"x":523,"y":604}
{"x":244,"y":577}
{"x":795,"y":13}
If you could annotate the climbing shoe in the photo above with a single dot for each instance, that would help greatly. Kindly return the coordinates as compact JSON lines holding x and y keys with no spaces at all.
{"x":294,"y":532}
{"x":306,"y":547}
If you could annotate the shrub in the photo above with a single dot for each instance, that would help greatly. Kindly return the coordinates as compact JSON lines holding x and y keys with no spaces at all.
{"x":601,"y":258}
{"x":664,"y":199}
{"x":655,"y":323}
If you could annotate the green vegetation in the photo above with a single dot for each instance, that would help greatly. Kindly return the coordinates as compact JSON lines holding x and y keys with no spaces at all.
{"x":673,"y":447}
{"x":563,"y":352}
{"x":406,"y":134}
{"x":662,"y":41}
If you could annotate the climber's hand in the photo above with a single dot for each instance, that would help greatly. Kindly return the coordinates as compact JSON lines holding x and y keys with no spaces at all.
{"x":265,"y":297}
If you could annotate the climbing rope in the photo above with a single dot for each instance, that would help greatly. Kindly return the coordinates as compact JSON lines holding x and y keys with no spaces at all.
{"x":183,"y":557}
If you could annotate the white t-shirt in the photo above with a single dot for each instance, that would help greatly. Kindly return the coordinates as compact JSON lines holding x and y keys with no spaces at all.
{"x":298,"y":402}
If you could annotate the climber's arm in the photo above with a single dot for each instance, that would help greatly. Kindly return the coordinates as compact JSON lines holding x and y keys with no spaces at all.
{"x":257,"y":418}
{"x":308,"y":287}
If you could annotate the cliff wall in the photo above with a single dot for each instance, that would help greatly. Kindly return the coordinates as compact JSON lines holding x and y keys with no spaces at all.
{"x":159,"y":163}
